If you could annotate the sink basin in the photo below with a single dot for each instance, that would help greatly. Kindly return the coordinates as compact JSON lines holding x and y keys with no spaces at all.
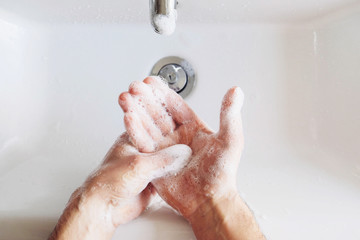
{"x":64,"y":63}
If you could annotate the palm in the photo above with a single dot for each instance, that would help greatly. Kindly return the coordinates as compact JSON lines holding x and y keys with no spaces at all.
{"x":156,"y":117}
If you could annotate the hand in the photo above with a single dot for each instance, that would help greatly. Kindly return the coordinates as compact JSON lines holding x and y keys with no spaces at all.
{"x":157,"y":117}
{"x":118,"y":191}
{"x":204,"y":191}
{"x":123,"y":177}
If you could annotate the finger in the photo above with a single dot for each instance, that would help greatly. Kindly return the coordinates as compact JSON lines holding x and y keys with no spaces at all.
{"x":137,"y":111}
{"x":148,"y":194}
{"x":152,"y":189}
{"x":154,"y":106}
{"x":138,"y":134}
{"x":167,"y":161}
{"x":122,"y":145}
{"x":175,"y":104}
{"x":134,"y":205}
{"x":157,"y":83}
{"x":230,"y":117}
{"x":124,"y":101}
{"x":137,"y":88}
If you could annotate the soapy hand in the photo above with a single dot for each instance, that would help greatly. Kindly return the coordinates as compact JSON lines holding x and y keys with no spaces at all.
{"x":118,"y":191}
{"x":124,"y":176}
{"x":156,"y":117}
{"x":198,"y":182}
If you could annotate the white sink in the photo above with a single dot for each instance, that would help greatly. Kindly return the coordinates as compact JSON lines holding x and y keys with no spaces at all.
{"x":64,"y":63}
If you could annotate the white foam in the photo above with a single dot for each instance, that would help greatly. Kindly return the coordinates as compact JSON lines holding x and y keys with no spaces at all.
{"x":180,"y":153}
{"x":165,"y":24}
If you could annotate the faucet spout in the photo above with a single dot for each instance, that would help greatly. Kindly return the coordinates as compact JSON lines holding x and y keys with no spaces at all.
{"x":163,"y":16}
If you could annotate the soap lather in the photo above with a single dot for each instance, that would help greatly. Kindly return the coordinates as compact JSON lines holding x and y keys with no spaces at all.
{"x":163,"y":15}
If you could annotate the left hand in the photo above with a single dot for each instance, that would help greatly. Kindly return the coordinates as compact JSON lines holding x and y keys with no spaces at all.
{"x":118,"y":191}
{"x":123,"y":179}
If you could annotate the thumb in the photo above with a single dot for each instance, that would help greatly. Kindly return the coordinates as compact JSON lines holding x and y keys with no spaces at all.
{"x":230,"y":116}
{"x":167,"y":161}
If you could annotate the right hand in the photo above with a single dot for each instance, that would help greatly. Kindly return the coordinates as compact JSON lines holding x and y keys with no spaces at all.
{"x":156,"y":117}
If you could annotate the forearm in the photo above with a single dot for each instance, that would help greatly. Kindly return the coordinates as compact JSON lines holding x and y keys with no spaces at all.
{"x":86,"y":218}
{"x":227,"y":218}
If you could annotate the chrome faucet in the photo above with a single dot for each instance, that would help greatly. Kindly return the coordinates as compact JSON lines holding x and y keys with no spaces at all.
{"x":163,"y":16}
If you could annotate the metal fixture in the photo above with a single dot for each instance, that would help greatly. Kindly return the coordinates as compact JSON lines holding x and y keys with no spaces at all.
{"x":177,"y":73}
{"x":163,"y":16}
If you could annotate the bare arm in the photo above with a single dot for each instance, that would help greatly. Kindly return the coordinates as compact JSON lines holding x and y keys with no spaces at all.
{"x":228,"y":218}
{"x":84,"y":218}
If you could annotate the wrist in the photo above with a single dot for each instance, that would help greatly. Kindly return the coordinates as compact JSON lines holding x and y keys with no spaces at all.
{"x":102,"y":201}
{"x":209,"y":219}
{"x":226,"y":217}
{"x":113,"y":208}
{"x":87,"y":216}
